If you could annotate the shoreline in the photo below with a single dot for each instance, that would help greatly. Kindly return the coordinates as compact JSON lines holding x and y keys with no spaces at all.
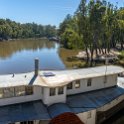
{"x":42,"y":38}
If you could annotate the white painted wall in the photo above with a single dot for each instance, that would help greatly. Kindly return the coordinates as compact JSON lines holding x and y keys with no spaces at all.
{"x":111,"y":80}
{"x":37,"y":95}
{"x":43,"y":93}
{"x":47,"y":99}
{"x":83,"y":117}
{"x":83,"y":83}
{"x":97,"y":83}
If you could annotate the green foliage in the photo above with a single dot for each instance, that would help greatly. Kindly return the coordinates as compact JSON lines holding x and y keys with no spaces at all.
{"x":72,"y":38}
{"x":121,"y":56}
{"x":121,"y":59}
{"x":11,"y":29}
{"x":69,"y":33}
{"x":96,"y":25}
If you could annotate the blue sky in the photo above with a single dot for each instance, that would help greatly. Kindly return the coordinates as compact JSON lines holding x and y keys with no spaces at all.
{"x":40,"y":11}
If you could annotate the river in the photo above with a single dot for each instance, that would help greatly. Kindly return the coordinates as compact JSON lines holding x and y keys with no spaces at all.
{"x":18,"y":56}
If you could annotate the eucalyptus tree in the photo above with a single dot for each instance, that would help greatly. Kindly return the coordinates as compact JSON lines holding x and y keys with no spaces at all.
{"x":90,"y":25}
{"x":120,"y":22}
{"x":99,"y":26}
{"x":84,"y":27}
{"x":96,"y":13}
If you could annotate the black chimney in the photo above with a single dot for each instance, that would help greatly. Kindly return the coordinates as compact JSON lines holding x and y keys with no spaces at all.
{"x":36,"y":66}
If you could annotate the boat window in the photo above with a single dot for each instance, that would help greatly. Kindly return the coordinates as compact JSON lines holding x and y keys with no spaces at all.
{"x":27,"y":122}
{"x":20,"y":91}
{"x":8,"y":92}
{"x":52,"y":91}
{"x":1,"y":93}
{"x":70,"y":86}
{"x":30,"y":122}
{"x":89,"y":82}
{"x":77,"y":84}
{"x":29,"y":90}
{"x":61,"y":90}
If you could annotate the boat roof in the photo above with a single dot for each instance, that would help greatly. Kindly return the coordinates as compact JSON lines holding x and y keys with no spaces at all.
{"x":58,"y":109}
{"x":34,"y":110}
{"x":89,"y":101}
{"x":84,"y":102}
{"x":57,"y":78}
{"x":79,"y":103}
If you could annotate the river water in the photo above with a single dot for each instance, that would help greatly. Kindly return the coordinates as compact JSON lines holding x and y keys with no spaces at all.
{"x":18,"y":56}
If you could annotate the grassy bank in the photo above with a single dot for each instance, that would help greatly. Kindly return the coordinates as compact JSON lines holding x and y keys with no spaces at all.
{"x":69,"y":59}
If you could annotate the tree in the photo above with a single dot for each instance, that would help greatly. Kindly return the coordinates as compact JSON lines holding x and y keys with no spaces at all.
{"x":12,"y":29}
{"x":70,"y":36}
{"x":99,"y":27}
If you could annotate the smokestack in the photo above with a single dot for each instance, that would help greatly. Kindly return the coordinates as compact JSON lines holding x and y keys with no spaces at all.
{"x":36,"y":66}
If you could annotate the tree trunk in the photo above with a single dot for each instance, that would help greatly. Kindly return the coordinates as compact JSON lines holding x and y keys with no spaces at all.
{"x":122,"y":46}
{"x":87,"y":53}
{"x":91,"y":59}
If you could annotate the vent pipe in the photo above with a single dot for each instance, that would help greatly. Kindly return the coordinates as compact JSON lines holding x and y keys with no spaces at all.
{"x":36,"y":66}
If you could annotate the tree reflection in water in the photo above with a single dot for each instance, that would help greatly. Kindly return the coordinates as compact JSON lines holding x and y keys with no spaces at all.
{"x":7,"y":49}
{"x":18,"y":56}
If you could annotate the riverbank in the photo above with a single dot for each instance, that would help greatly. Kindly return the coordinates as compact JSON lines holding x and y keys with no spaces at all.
{"x":72,"y":59}
{"x":69,"y":59}
{"x":23,"y":39}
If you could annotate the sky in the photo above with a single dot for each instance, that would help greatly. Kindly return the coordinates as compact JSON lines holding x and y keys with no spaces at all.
{"x":41,"y":11}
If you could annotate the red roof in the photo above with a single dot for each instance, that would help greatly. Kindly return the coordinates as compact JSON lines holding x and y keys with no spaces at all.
{"x":66,"y":118}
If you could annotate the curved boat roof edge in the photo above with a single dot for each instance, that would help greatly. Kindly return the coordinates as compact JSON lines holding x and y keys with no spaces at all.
{"x":57,"y":78}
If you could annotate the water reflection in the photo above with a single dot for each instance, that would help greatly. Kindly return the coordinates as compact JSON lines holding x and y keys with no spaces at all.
{"x":7,"y":49}
{"x":18,"y":56}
